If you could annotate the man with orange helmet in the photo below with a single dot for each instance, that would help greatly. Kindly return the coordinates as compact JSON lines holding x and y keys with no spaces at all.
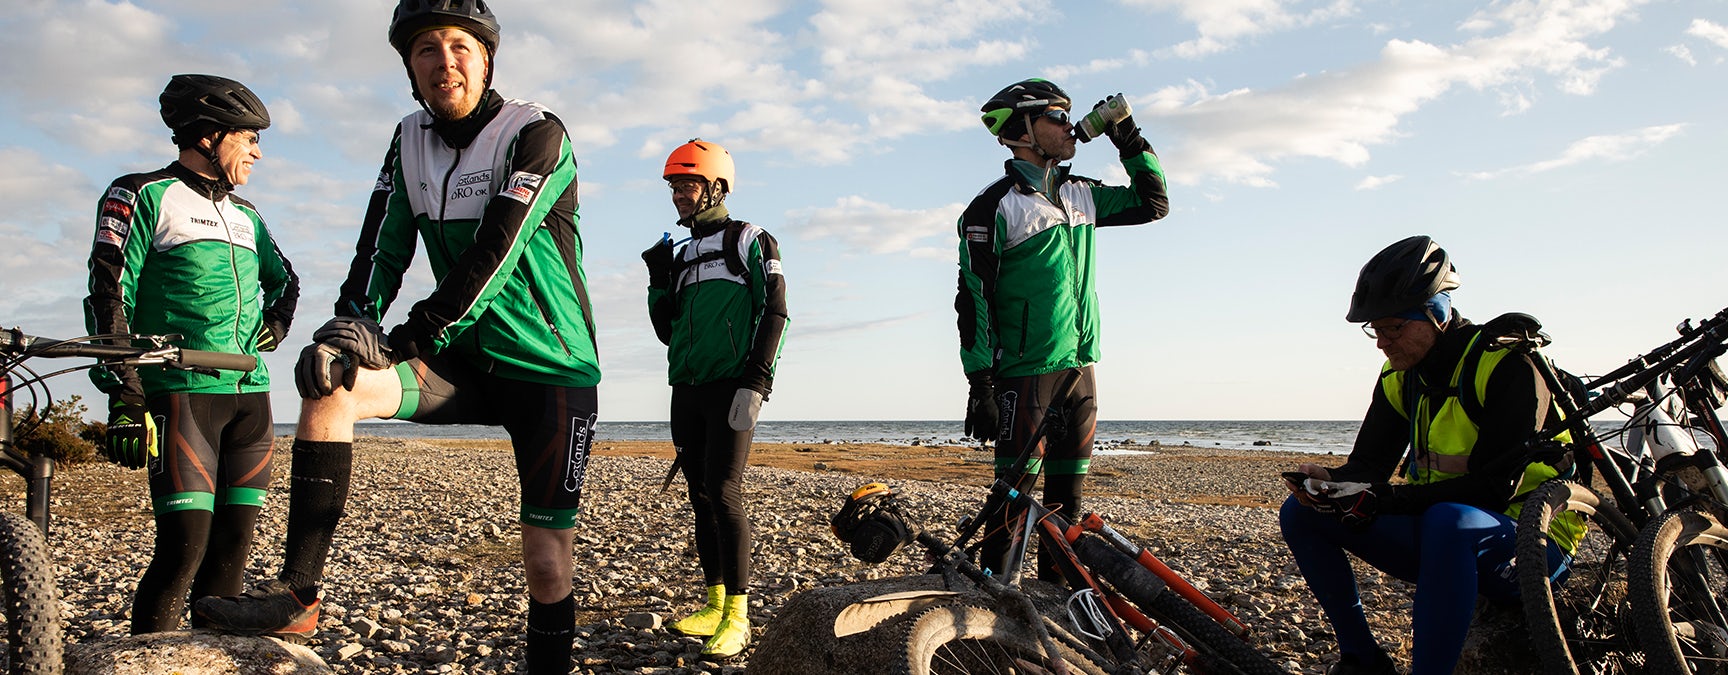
{"x":506,"y":337}
{"x":719,"y":304}
{"x":1027,"y":303}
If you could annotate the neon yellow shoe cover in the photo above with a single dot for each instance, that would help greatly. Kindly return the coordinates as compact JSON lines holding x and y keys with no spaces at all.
{"x":733,"y":634}
{"x":704,"y":622}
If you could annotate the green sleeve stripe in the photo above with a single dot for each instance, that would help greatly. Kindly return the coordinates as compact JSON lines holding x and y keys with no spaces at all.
{"x":184,"y":501}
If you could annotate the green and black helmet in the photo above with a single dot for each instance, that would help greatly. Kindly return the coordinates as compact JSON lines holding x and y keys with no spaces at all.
{"x":1026,"y":96}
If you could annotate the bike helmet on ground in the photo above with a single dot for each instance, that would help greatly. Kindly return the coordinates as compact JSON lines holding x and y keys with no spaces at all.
{"x":871,"y":523}
{"x":1017,"y":100}
{"x":414,"y":16}
{"x":218,"y":102}
{"x":703,"y":159}
{"x":1401,"y":277}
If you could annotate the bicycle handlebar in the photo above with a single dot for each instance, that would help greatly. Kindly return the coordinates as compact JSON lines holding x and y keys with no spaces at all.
{"x":1688,"y":333}
{"x":14,"y":341}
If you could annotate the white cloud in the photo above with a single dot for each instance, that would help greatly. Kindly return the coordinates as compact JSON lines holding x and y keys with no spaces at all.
{"x":47,"y":193}
{"x":874,"y":227}
{"x":1239,"y":135}
{"x":1711,"y":32}
{"x":1224,"y":23}
{"x":1614,"y":148}
{"x":1683,"y":53}
{"x":1377,"y":182}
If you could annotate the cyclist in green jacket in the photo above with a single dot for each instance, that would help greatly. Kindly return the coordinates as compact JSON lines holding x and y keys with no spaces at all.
{"x":1027,"y":299}
{"x":719,"y":304}
{"x":505,"y":338}
{"x":177,"y":252}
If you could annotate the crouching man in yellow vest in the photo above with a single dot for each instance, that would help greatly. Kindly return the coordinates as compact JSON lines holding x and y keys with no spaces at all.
{"x":1457,"y":417}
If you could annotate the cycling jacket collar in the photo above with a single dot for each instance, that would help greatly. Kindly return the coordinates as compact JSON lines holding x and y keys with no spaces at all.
{"x":708,"y":221}
{"x":210,"y":188}
{"x":1029,"y":177}
{"x":459,"y":133}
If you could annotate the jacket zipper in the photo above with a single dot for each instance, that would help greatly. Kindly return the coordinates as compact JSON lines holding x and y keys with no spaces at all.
{"x":234,"y":272}
{"x":540,"y":304}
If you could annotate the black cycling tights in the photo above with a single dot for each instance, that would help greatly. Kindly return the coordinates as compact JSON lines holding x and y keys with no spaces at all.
{"x":197,"y":552}
{"x":713,"y":457}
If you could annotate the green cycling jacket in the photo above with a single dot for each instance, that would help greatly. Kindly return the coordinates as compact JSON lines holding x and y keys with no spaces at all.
{"x":177,"y":253}
{"x":494,"y":200}
{"x":1027,"y":299}
{"x":724,"y":314}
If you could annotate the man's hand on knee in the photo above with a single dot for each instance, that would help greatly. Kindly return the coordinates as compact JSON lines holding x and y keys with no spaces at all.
{"x":362,"y":338}
{"x":319,"y":367}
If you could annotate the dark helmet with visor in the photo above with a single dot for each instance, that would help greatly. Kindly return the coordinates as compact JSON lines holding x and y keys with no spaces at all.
{"x":415,"y":16}
{"x":1025,"y":97}
{"x":1400,"y":278}
{"x":214,"y":102}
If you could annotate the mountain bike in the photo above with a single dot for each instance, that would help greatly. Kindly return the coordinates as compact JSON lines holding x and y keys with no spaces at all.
{"x":1679,"y":565}
{"x":1580,"y":614}
{"x":29,"y":598}
{"x":1121,"y":611}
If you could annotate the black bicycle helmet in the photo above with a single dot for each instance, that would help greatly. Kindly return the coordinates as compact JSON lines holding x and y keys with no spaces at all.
{"x":871,"y":523}
{"x":217,"y":101}
{"x":1400,"y":277}
{"x":413,"y":16}
{"x":1026,"y":96}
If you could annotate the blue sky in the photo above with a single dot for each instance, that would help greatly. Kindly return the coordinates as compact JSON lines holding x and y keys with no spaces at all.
{"x":1567,"y":153}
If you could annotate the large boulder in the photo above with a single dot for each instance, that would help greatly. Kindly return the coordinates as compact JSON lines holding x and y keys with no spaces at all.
{"x":192,"y":653}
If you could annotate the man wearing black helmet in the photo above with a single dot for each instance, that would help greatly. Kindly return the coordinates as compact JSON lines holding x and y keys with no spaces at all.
{"x":1027,"y":303}
{"x":177,"y":252}
{"x":1457,"y":415}
{"x":504,"y":339}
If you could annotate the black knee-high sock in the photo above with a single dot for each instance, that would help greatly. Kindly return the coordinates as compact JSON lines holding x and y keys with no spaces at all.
{"x":161,"y":597}
{"x":551,"y":636}
{"x":316,"y":497}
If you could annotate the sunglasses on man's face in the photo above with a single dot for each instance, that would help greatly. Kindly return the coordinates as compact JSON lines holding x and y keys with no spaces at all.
{"x":1058,"y":116}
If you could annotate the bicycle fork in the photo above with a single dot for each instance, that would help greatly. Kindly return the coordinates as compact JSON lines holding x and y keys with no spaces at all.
{"x":1091,"y":522}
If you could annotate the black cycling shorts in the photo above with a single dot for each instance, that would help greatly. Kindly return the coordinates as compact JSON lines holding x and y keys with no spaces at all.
{"x":212,"y":448}
{"x":551,"y":427}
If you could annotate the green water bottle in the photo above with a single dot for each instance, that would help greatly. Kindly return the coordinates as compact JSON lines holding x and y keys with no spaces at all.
{"x":1108,"y":112}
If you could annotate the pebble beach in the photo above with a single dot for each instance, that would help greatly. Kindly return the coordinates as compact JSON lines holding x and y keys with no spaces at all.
{"x":426,"y":578}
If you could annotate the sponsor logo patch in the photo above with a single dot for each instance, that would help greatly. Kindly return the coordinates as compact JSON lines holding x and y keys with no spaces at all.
{"x":111,"y":231}
{"x":774,"y":267}
{"x":386,"y":182}
{"x":977,"y":234}
{"x":483,"y":176}
{"x":521,"y":186}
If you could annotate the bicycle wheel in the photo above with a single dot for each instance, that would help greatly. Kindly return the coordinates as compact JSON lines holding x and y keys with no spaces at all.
{"x":1583,"y":625}
{"x":1678,"y":578}
{"x":969,"y":640}
{"x":28,"y":599}
{"x":1143,"y":588}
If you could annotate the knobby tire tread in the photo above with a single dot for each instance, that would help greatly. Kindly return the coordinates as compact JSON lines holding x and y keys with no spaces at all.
{"x":925,"y":634}
{"x":29,"y":599}
{"x":1136,"y":583}
{"x":1548,"y":633}
{"x":1653,"y":585}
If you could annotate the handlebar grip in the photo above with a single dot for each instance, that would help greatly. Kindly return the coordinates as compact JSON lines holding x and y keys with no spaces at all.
{"x":218,"y":360}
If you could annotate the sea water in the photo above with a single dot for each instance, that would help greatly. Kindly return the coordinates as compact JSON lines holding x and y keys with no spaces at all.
{"x":1280,"y":435}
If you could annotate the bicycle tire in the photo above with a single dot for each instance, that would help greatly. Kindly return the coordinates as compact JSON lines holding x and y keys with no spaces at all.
{"x":1681,"y":636}
{"x":29,"y":599}
{"x":964,"y":639}
{"x":1136,"y":583}
{"x":1585,"y":625}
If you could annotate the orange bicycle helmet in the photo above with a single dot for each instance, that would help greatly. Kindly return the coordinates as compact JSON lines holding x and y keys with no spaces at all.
{"x":704,"y":159}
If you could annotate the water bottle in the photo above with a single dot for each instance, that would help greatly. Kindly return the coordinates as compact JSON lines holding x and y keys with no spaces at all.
{"x":1112,"y":110}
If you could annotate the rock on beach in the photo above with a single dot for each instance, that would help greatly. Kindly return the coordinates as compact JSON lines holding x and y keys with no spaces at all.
{"x":425,"y":575}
